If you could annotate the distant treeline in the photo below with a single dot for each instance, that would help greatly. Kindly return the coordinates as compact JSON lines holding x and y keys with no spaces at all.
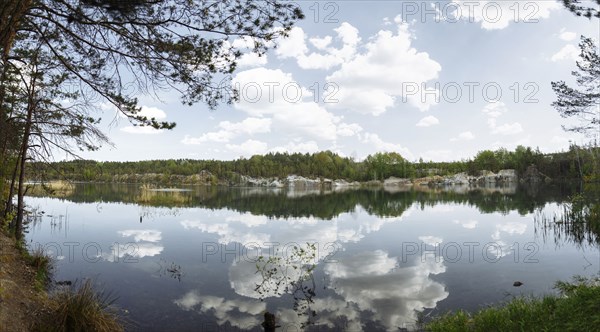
{"x":576,"y":163}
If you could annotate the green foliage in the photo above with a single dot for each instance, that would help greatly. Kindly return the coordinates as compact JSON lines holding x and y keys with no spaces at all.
{"x":584,"y":11}
{"x":575,"y":310}
{"x":487,"y":160}
{"x":582,"y":103}
{"x":575,"y":163}
{"x":112,"y":47}
{"x":384,"y":165}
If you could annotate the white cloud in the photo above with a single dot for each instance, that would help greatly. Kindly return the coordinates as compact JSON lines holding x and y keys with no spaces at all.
{"x":239,"y":313}
{"x":348,"y":33}
{"x":367,"y":83}
{"x":248,"y":148}
{"x":244,"y":279}
{"x":392,"y":295}
{"x":370,"y":82}
{"x":231,"y":130}
{"x":366,"y":101}
{"x":149,"y":112}
{"x":152,"y":112}
{"x":512,"y":228}
{"x":568,"y":52}
{"x":495,"y":15}
{"x":219,"y":136}
{"x":141,"y":130}
{"x":297,"y":147}
{"x":249,"y":58}
{"x":292,"y":46}
{"x":505,"y":129}
{"x":318,"y":61}
{"x":329,"y":313}
{"x":438,"y":155}
{"x":468,"y":224}
{"x":500,"y":247}
{"x":228,"y":232}
{"x":382,"y":146}
{"x":272,"y":92}
{"x":139,"y":250}
{"x":494,"y":111}
{"x":252,"y":60}
{"x":149,"y":235}
{"x":295,"y":47}
{"x":247,"y":126}
{"x":309,"y":118}
{"x":146,"y":245}
{"x":370,"y":263}
{"x":567,"y":35}
{"x":431,"y":240}
{"x":248,"y":219}
{"x":464,"y":136}
{"x":347,"y":130}
{"x":428,"y":121}
{"x":320,"y":43}
{"x":266,"y":91}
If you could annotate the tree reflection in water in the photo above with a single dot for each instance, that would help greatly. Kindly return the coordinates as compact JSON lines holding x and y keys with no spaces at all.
{"x":290,"y":273}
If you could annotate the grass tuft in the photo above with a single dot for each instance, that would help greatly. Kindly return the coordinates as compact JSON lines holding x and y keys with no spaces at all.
{"x":577,"y":308}
{"x":42,"y":264}
{"x":81,"y":308}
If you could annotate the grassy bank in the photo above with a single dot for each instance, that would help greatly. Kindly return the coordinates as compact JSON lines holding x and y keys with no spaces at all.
{"x":576,"y":308}
{"x":27,"y":305}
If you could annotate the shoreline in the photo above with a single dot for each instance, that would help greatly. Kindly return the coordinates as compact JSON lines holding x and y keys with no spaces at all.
{"x":157,"y":181}
{"x":23,"y":305}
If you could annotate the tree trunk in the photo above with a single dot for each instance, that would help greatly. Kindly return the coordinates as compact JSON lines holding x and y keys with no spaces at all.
{"x":31,"y":105}
{"x":11,"y":191}
{"x":11,"y":16}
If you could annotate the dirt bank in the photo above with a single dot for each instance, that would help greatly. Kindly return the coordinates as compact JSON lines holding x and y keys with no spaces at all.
{"x":21,"y":304}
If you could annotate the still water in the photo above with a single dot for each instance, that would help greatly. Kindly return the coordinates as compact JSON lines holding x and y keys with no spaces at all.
{"x":208,"y":259}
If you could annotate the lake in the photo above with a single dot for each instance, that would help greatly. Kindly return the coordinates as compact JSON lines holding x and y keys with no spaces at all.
{"x":215,"y":259}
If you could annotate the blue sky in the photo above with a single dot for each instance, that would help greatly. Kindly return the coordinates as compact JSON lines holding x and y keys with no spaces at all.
{"x":434,"y":80}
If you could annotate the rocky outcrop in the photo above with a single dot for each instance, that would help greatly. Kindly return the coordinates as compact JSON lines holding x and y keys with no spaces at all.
{"x":533,"y":175}
{"x":486,"y":178}
{"x":256,"y":182}
{"x":396,"y":182}
{"x":505,"y":177}
{"x":345,"y":184}
{"x":458,"y":179}
{"x":300,"y":182}
{"x":295,"y":182}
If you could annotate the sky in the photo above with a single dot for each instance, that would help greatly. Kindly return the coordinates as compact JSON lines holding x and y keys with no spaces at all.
{"x":437,"y":80}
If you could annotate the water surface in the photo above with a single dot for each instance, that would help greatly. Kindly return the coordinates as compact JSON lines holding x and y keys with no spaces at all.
{"x":206,"y":259}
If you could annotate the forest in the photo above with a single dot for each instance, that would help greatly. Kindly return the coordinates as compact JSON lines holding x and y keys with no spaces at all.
{"x":577,"y":163}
